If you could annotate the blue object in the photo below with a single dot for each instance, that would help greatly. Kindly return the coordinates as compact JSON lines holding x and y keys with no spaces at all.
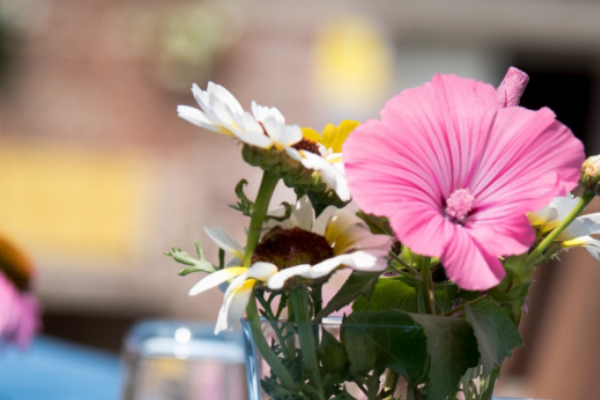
{"x":54,"y":369}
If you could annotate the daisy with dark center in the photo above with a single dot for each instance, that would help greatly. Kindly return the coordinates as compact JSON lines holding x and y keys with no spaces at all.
{"x":298,"y":252}
{"x":310,"y":249}
{"x":221,"y":112}
{"x":323,"y":153}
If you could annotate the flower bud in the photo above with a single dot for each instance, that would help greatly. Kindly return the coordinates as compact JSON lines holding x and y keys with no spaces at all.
{"x":294,"y":174}
{"x":590,"y":174}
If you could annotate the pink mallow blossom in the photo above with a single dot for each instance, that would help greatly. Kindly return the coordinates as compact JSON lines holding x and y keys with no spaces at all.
{"x":19,"y":309}
{"x":19,"y":314}
{"x":455,"y":165}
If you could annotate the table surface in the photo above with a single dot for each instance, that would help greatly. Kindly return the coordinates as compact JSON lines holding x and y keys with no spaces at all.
{"x":53,"y":369}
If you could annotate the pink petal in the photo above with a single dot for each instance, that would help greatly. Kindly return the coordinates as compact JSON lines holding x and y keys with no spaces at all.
{"x":502,"y":234}
{"x":448,"y":121}
{"x":530,"y":159}
{"x":469,"y":265}
{"x":423,"y":229}
{"x":512,"y":87}
{"x":429,"y":142}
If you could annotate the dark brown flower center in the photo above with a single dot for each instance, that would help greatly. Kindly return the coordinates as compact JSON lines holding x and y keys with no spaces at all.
{"x":307,"y":145}
{"x":290,"y":247}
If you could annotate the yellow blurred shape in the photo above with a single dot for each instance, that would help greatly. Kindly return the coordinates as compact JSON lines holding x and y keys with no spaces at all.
{"x":353,"y":63}
{"x":79,"y":205}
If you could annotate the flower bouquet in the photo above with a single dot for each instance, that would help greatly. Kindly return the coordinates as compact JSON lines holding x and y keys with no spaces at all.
{"x":458,"y":194}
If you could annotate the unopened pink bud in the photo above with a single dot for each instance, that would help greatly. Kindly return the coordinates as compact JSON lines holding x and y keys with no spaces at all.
{"x":512,"y":87}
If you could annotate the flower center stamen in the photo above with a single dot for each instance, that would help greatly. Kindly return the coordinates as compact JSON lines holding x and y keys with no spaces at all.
{"x":459,"y":204}
{"x":290,"y":247}
{"x":307,"y":145}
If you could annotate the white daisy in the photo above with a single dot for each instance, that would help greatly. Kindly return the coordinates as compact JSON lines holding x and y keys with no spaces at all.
{"x":238,"y":292}
{"x":221,"y":112}
{"x":337,"y":238}
{"x":577,"y":234}
{"x":242,"y":279}
{"x":327,"y":159}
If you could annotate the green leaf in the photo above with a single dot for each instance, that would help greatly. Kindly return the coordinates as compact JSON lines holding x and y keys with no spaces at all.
{"x":389,"y":294}
{"x":452,"y":348}
{"x":444,"y":297}
{"x":377,"y":225}
{"x":332,"y":354}
{"x":516,"y":264}
{"x":496,"y":333}
{"x":391,"y":337}
{"x":244,"y":205}
{"x":196,"y":265}
{"x":358,"y":283}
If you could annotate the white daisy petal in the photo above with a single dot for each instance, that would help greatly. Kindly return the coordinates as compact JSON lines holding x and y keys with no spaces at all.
{"x":196,"y":117}
{"x":564,"y":205}
{"x":225,"y":97}
{"x":302,"y":216}
{"x":261,"y":113}
{"x":249,"y":125}
{"x":341,"y":187}
{"x":581,"y":226}
{"x":332,"y":176}
{"x":365,"y":261}
{"x":326,"y":267}
{"x":221,"y":112}
{"x":358,"y":238}
{"x":234,"y":305}
{"x":201,"y":96}
{"x":378,"y":245}
{"x":320,"y":224}
{"x":294,"y":154}
{"x":282,"y":135}
{"x":291,"y":135}
{"x":339,"y":223}
{"x":595,"y":217}
{"x":303,"y":213}
{"x":215,"y":279}
{"x":224,"y":241}
{"x":262,"y":270}
{"x":592,"y":245}
{"x":359,"y":260}
{"x":277,"y":281}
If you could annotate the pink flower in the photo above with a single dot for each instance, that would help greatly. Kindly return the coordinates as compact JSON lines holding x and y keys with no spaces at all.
{"x":19,"y":310}
{"x":19,"y":314}
{"x":456,"y":174}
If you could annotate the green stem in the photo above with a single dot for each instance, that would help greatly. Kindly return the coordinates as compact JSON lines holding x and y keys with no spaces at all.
{"x":464,"y":305}
{"x":584,"y":200}
{"x":403,"y":264}
{"x":266,"y":305}
{"x":389,"y":383}
{"x":299,"y":298}
{"x":426,"y":285}
{"x":259,"y":213}
{"x":265,"y":350}
{"x":489,"y":390}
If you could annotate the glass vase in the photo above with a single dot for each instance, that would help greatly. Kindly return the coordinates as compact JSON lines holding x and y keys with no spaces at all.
{"x":331,"y":360}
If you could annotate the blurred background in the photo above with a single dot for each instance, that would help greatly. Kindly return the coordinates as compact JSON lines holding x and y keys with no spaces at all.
{"x":99,"y":176}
